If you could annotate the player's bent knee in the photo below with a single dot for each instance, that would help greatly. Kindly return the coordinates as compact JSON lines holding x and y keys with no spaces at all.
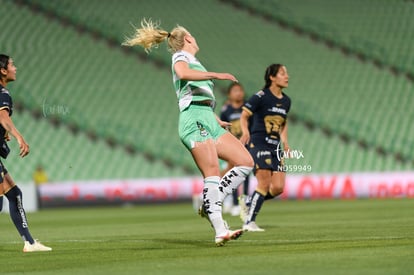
{"x":247,"y":161}
{"x":263,"y":187}
{"x":276,"y":190}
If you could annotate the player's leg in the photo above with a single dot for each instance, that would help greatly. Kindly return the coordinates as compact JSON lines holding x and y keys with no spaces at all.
{"x":247,"y":179}
{"x":234,"y":210}
{"x":264,"y":178}
{"x":246,"y":185}
{"x":18,"y":215}
{"x":205,"y":156}
{"x":277,"y":185}
{"x":230,"y":149}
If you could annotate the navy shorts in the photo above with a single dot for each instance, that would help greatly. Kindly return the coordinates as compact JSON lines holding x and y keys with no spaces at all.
{"x":267,"y":157}
{"x":3,"y":171}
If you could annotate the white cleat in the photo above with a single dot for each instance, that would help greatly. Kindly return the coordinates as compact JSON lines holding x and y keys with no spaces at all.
{"x":252,"y":227}
{"x":35,"y":247}
{"x":244,"y":209}
{"x":231,"y":235}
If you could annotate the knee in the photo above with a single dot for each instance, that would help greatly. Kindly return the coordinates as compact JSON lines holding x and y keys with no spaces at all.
{"x":242,"y":158}
{"x":263,"y":187}
{"x":210,"y":170}
{"x":276,"y":191}
{"x":14,"y":192}
{"x":247,"y":161}
{"x":250,"y":162}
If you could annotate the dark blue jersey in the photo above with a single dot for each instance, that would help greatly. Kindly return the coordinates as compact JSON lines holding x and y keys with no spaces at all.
{"x":269,"y":117}
{"x":6,"y":103}
{"x":232,"y":115}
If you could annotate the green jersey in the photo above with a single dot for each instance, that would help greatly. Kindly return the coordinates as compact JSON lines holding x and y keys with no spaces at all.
{"x":191,"y":90}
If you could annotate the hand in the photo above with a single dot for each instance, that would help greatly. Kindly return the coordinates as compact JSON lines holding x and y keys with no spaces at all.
{"x":245,"y":138}
{"x":224,"y":124}
{"x":24,"y":147}
{"x":226,"y":76}
{"x":7,"y":136}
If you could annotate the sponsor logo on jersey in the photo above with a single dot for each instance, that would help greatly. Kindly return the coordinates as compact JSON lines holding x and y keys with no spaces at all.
{"x":263,"y":153}
{"x":277,"y":110}
{"x":260,"y":93}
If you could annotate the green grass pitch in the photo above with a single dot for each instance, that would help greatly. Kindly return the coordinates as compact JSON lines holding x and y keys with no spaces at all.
{"x":302,"y":237}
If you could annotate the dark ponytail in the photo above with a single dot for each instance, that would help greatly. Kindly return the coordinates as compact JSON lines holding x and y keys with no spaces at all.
{"x":271,"y":71}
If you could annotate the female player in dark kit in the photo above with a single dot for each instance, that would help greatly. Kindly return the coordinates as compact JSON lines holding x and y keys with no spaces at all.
{"x":7,"y":185}
{"x":200,"y":130}
{"x":267,"y":140}
{"x":231,"y":112}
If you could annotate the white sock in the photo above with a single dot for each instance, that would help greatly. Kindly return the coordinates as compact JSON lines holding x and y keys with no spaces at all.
{"x":232,"y":179}
{"x":213,"y":205}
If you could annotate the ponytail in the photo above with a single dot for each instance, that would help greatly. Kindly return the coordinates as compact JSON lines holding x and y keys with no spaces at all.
{"x":150,"y":36}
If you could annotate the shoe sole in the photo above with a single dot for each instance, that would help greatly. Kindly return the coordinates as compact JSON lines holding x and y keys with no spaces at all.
{"x":253,"y":230}
{"x":234,"y":236}
{"x":34,"y":251}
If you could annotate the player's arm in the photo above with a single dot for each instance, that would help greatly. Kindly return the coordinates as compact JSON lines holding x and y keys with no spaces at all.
{"x":222,"y":123}
{"x":8,"y":125}
{"x":244,"y":125}
{"x":284,"y":136}
{"x":184,"y":72}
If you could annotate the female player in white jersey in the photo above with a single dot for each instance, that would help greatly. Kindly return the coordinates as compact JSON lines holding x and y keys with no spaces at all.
{"x":200,"y":130}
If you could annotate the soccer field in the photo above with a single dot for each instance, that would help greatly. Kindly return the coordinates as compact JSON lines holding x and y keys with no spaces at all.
{"x":302,"y":237}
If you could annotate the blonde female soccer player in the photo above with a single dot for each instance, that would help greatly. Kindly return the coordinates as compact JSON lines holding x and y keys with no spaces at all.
{"x":7,"y":185}
{"x":200,"y":130}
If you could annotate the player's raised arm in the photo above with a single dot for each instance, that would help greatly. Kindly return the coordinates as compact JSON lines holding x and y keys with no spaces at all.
{"x":184,"y":72}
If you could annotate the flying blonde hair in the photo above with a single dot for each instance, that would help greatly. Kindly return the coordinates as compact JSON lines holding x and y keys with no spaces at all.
{"x":150,"y":35}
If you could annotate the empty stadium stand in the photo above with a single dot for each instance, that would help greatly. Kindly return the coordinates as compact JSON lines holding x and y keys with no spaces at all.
{"x":347,"y":114}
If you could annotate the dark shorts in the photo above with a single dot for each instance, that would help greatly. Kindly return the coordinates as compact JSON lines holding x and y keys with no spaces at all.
{"x":267,"y":157}
{"x":3,"y":171}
